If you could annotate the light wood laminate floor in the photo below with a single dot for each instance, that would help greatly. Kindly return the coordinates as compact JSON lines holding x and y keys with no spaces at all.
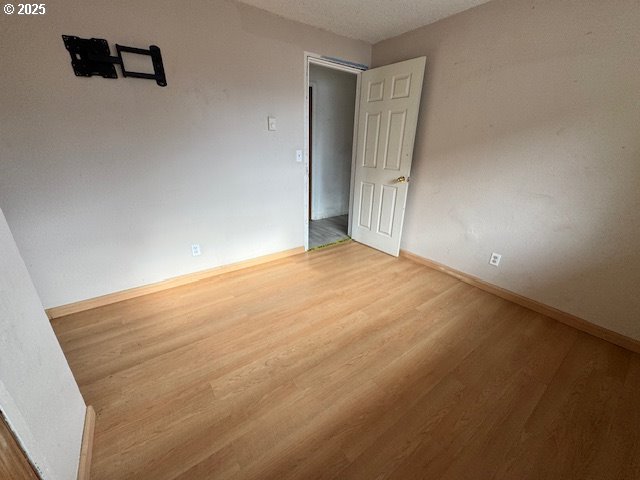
{"x":13,"y":463}
{"x":346,"y":363}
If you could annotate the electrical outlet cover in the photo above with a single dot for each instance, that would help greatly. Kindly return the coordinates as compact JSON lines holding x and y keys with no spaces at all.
{"x":495,"y":259}
{"x":195,"y":250}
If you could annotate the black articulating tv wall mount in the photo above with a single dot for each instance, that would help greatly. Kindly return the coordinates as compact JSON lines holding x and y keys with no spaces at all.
{"x":91,"y":56}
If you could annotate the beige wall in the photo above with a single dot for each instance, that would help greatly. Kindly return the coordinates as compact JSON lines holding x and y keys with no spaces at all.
{"x":529,"y":145}
{"x":38,"y":394}
{"x":107,"y":183}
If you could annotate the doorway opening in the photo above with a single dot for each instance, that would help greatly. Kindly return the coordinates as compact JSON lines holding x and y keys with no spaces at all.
{"x":331,"y":107}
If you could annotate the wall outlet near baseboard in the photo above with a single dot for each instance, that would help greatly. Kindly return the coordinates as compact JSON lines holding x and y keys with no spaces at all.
{"x":195,"y":249}
{"x":495,"y":259}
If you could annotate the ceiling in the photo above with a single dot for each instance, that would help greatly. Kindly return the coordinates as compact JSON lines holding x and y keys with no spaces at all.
{"x":368,"y":20}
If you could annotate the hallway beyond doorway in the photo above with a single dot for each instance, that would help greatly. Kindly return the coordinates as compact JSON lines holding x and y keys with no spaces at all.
{"x":327,"y":230}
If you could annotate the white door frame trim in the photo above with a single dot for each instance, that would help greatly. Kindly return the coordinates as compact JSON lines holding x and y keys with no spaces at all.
{"x":316,"y":59}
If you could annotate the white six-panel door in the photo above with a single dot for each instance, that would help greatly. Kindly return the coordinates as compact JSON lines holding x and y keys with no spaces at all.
{"x":389,"y":105}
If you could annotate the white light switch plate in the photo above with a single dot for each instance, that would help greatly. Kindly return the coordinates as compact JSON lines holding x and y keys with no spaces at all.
{"x":271,"y":121}
{"x":299,"y":156}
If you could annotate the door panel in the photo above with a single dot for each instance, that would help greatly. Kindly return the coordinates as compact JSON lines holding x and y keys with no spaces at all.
{"x":389,"y":105}
{"x":371,"y":140}
{"x":375,"y":91}
{"x":366,"y":205}
{"x":401,"y":86}
{"x":387,"y":210}
{"x":395,"y":137}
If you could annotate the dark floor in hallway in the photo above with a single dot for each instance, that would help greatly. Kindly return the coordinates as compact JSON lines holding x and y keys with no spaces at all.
{"x":327,"y":230}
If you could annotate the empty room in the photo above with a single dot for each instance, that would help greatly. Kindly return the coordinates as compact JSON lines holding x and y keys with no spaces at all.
{"x":320,"y":239}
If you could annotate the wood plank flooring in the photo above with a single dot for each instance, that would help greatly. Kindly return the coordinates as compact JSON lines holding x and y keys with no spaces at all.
{"x":328,"y":230}
{"x":346,"y":363}
{"x":13,"y":463}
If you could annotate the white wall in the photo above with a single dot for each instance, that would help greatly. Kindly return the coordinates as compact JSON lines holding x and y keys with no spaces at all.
{"x":38,"y":394}
{"x":528,"y":145}
{"x":334,"y":99}
{"x":107,"y":183}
